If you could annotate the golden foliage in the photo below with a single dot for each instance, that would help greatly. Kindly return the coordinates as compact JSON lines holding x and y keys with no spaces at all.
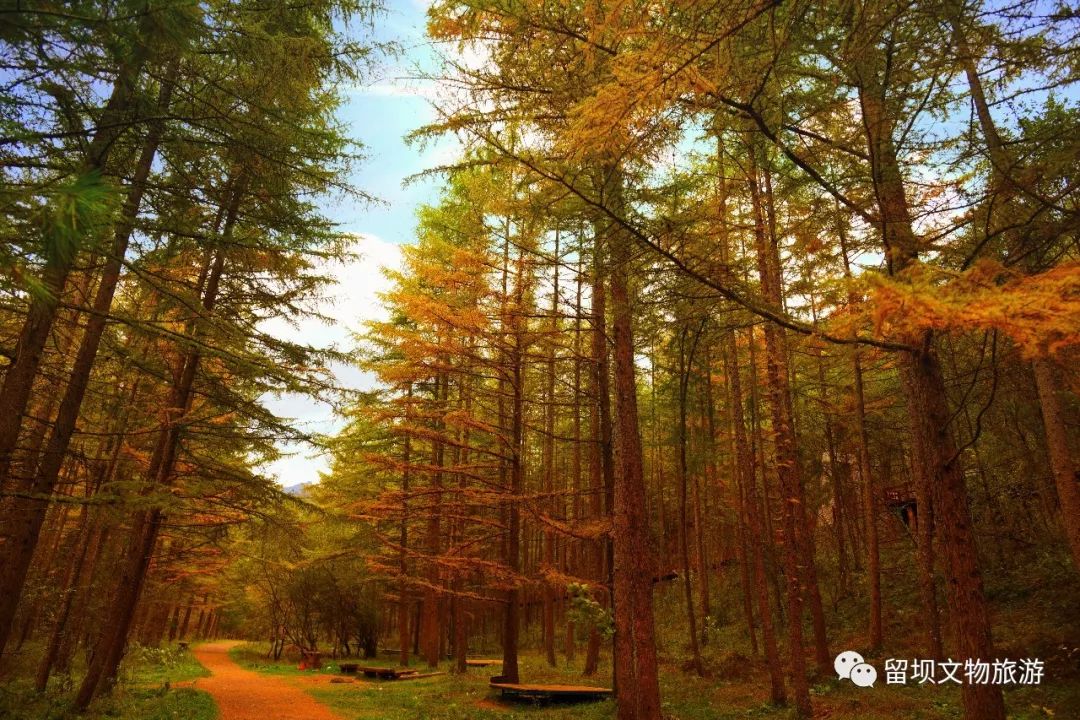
{"x":1040,"y":313}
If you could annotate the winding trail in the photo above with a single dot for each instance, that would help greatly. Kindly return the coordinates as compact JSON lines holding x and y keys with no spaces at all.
{"x":246,"y":695}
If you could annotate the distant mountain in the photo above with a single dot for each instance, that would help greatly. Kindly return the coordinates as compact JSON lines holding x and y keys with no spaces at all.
{"x":297,"y":489}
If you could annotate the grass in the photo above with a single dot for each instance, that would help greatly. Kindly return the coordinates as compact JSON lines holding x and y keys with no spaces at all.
{"x":253,"y":657}
{"x":161,"y":665}
{"x":144,"y":691}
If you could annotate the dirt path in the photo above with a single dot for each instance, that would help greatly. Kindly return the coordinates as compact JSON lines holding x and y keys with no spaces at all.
{"x":245,"y":695}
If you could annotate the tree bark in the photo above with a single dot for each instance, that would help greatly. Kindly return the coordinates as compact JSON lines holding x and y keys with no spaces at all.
{"x":549,"y":464}
{"x":686,"y":359}
{"x":701,"y":514}
{"x":430,"y":625}
{"x":601,"y":455}
{"x":403,"y":589}
{"x":786,"y":460}
{"x":516,"y":324}
{"x":754,"y":511}
{"x":936,"y":454}
{"x":1061,"y":461}
{"x":635,"y":644}
{"x":804,"y":531}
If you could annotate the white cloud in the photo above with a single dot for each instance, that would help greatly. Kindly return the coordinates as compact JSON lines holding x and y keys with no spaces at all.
{"x":397,"y":87}
{"x":348,"y":304}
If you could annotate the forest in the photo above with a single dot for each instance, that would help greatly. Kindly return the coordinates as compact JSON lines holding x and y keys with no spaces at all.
{"x":728,"y":366}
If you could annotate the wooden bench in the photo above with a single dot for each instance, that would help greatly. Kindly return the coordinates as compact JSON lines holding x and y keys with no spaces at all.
{"x":482,"y":662}
{"x":548,"y":693}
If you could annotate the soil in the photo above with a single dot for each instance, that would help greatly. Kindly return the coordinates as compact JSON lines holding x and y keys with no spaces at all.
{"x":245,"y":695}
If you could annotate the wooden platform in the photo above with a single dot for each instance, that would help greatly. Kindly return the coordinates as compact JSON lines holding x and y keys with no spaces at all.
{"x":387,"y":673}
{"x":548,"y":693}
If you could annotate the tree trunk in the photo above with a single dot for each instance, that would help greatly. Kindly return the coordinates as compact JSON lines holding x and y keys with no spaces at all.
{"x":403,"y":540}
{"x":754,"y":512}
{"x":19,"y":378}
{"x":110,"y":648}
{"x":601,"y":455}
{"x":430,"y":631}
{"x":870,"y":497}
{"x":19,"y":548}
{"x":635,"y":644}
{"x":686,"y":359}
{"x":549,"y":464}
{"x":804,"y":531}
{"x":516,"y":324}
{"x":701,"y":514}
{"x":182,"y":635}
{"x":1061,"y":461}
{"x":786,"y":461}
{"x":574,"y":549}
{"x":936,"y":454}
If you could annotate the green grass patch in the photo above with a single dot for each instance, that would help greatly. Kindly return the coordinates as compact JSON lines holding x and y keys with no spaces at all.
{"x":144,"y":665}
{"x":252,"y":655}
{"x":18,"y":701}
{"x":141,"y":694}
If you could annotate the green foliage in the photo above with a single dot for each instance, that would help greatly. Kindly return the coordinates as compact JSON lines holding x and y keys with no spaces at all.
{"x":586,"y":612}
{"x":143,"y":692}
{"x":70,"y":214}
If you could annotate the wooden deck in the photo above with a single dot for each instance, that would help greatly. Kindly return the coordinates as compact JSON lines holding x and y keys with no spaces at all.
{"x":393,"y":673}
{"x":547,"y":693}
{"x":387,"y":673}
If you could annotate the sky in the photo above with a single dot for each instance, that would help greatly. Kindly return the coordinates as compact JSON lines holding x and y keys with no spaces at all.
{"x":378,"y":114}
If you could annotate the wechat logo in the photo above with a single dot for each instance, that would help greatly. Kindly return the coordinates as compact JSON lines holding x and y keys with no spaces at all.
{"x":850,"y":665}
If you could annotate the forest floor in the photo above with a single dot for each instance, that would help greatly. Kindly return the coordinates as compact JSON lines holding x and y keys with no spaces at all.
{"x":1034,"y":617}
{"x":736,"y":692}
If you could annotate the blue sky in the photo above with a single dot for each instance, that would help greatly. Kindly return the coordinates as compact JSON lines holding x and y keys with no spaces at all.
{"x":378,"y":114}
